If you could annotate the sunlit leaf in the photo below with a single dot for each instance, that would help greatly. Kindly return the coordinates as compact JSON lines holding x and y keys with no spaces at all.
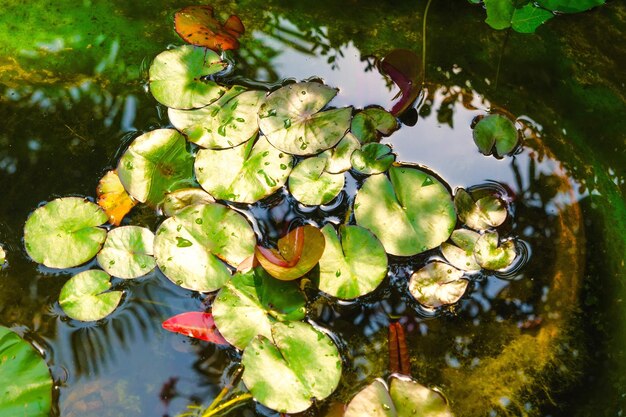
{"x":25,"y":381}
{"x":177,"y":77}
{"x":280,"y":263}
{"x":372,"y":158}
{"x":404,"y":68}
{"x":372,"y":401}
{"x":499,"y":13}
{"x":3,"y":257}
{"x":250,"y":302}
{"x":372,"y":123}
{"x":527,"y":19}
{"x":291,"y":119}
{"x":296,"y":365}
{"x":570,"y":6}
{"x":155,"y":164}
{"x":228,"y":122}
{"x":113,"y":198}
{"x":198,"y":26}
{"x":462,"y":255}
{"x":64,"y":233}
{"x":86,"y":296}
{"x":244,"y":174}
{"x":353,"y":264}
{"x":127,"y":252}
{"x":179,"y":199}
{"x":195,"y":324}
{"x":487,"y":212}
{"x":192,"y":247}
{"x":410,"y":211}
{"x":495,"y":130}
{"x":437,"y":284}
{"x":338,"y":158}
{"x":310,"y":184}
{"x":493,"y":255}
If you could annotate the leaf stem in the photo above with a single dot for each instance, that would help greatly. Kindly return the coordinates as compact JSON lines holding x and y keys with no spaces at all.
{"x":224,"y":391}
{"x":227,"y":404}
{"x":424,"y":42}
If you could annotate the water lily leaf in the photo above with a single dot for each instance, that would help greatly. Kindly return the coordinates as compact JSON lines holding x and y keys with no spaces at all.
{"x":353,"y":266}
{"x":437,"y":284}
{"x":25,"y":381}
{"x":310,"y":184}
{"x":570,"y":6}
{"x":127,"y":252}
{"x":527,"y":19}
{"x":228,"y":122}
{"x":195,"y":324}
{"x":197,"y":26}
{"x":244,"y":174}
{"x":487,"y":212}
{"x":399,"y":359}
{"x":414,"y":399}
{"x":177,"y":77}
{"x":64,"y":233}
{"x":372,"y":158}
{"x":499,"y":13}
{"x":250,"y":302}
{"x":291,"y":119}
{"x":338,"y":158}
{"x":298,"y":252}
{"x":410,"y":212}
{"x":156,"y":163}
{"x":372,"y":123}
{"x":462,"y":255}
{"x":190,"y":246}
{"x":497,"y":130}
{"x":113,"y":198}
{"x":3,"y":256}
{"x":292,"y":368}
{"x":184,"y":197}
{"x":492,"y":256}
{"x":372,"y":401}
{"x":404,"y":69}
{"x":85,"y":296}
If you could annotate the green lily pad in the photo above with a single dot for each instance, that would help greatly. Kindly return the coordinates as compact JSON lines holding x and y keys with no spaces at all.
{"x":485,"y":213}
{"x":25,"y":381}
{"x":462,"y":255}
{"x":3,"y":256}
{"x":190,"y":246}
{"x":176,"y":77}
{"x":354,"y":266}
{"x":410,"y":212}
{"x":570,"y":6}
{"x":85,"y":296}
{"x":292,"y":121}
{"x":310,"y":184}
{"x":370,"y":124}
{"x":372,"y":158}
{"x":372,"y":401}
{"x":492,"y":256}
{"x":244,"y":174}
{"x":156,"y":163}
{"x":184,"y":197}
{"x":495,"y":130}
{"x":228,"y":122}
{"x":437,"y":284}
{"x":64,"y":233}
{"x":250,"y":302}
{"x":338,"y":158}
{"x":127,"y":252}
{"x":292,"y":368}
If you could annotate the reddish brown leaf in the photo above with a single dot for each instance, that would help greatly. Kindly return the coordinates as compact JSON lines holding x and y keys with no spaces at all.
{"x":195,"y":324}
{"x":402,"y":66}
{"x":198,"y":26}
{"x":113,"y":198}
{"x":394,"y":357}
{"x":247,"y":264}
{"x":405,"y":361}
{"x":399,"y":361}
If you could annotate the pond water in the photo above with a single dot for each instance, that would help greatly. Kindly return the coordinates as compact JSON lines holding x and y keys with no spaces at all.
{"x":548,"y":339}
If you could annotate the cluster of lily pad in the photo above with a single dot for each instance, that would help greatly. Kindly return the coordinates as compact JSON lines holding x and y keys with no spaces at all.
{"x":231,"y":146}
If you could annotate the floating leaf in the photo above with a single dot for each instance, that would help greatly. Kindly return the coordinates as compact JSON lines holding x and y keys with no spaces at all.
{"x":228,"y":122}
{"x":195,"y":324}
{"x":177,"y":77}
{"x":292,"y":368}
{"x":3,"y":256}
{"x":292,"y":121}
{"x":156,"y":163}
{"x":483,"y":214}
{"x":25,"y":381}
{"x":85,"y":296}
{"x":372,"y":123}
{"x":372,"y":158}
{"x":244,"y":174}
{"x":462,"y":255}
{"x":570,"y":6}
{"x":113,"y":198}
{"x":190,"y":246}
{"x":353,"y":266}
{"x":64,"y":233}
{"x":410,"y":212}
{"x":338,"y":158}
{"x":294,"y":258}
{"x":527,"y":19}
{"x":250,"y":302}
{"x":497,"y":130}
{"x":372,"y":401}
{"x":404,"y":69}
{"x":127,"y":252}
{"x":198,"y":26}
{"x":492,"y":256}
{"x":437,"y":284}
{"x":499,"y":13}
{"x":184,"y":197}
{"x":310,"y":184}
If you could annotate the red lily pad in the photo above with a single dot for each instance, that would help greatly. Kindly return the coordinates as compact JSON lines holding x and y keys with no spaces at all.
{"x":195,"y":324}
{"x":198,"y":26}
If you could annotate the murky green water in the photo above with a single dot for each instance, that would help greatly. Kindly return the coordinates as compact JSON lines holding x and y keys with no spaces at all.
{"x":548,"y":340}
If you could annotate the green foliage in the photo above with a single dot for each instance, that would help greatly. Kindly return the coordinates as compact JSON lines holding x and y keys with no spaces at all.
{"x":462,"y":255}
{"x":370,"y":124}
{"x":372,"y":158}
{"x":437,"y":284}
{"x":339,"y":157}
{"x":85,"y":296}
{"x":484,"y":213}
{"x":496,"y":131}
{"x":310,"y":184}
{"x":493,"y":255}
{"x":179,"y":199}
{"x":127,"y":252}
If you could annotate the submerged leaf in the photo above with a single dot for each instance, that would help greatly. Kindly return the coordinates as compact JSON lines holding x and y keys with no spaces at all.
{"x":310,"y":184}
{"x":85,"y":296}
{"x":372,"y":158}
{"x":414,"y":399}
{"x":437,"y":284}
{"x":528,"y":18}
{"x":399,"y":359}
{"x":372,"y":401}
{"x":113,"y":198}
{"x":127,"y":252}
{"x":495,"y":130}
{"x":338,"y":158}
{"x":198,"y":26}
{"x":494,"y":256}
{"x":462,"y":255}
{"x":570,"y":6}
{"x":184,"y":197}
{"x":487,"y":212}
{"x":372,"y":123}
{"x":404,"y":69}
{"x":195,"y":324}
